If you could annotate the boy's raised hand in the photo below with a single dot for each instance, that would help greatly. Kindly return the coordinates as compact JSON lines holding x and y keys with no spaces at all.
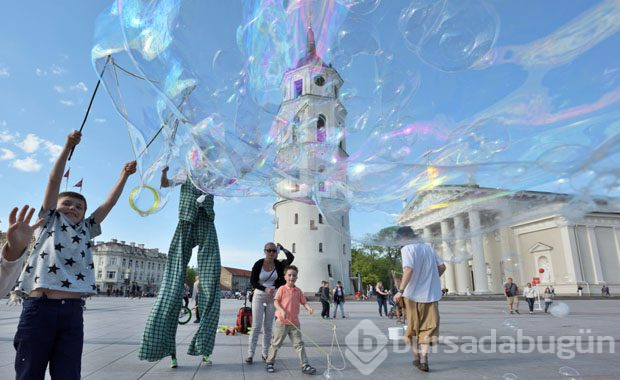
{"x":73,"y":139}
{"x":20,"y":231}
{"x":129,"y":168}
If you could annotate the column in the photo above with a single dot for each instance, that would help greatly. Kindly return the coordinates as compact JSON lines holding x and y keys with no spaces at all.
{"x":462,"y":267}
{"x":448,"y":275}
{"x":428,"y":235}
{"x":481,"y":284}
{"x":596,"y":260}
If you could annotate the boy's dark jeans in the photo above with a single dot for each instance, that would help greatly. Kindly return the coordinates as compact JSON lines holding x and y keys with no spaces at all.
{"x":49,"y":331}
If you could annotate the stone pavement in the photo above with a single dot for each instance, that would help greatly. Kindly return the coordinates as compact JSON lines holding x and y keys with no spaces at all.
{"x":113,"y":327}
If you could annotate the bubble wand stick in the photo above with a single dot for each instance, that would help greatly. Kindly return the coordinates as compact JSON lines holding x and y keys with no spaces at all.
{"x":91,"y":101}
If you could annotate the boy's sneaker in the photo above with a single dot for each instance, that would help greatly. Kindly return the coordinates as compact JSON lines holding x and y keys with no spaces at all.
{"x":269,"y":368}
{"x":207,"y":360}
{"x":173,"y":363}
{"x":517,"y":311}
{"x":308,"y":369}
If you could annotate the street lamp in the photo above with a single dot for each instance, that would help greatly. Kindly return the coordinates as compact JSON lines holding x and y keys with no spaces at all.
{"x":127,"y":279}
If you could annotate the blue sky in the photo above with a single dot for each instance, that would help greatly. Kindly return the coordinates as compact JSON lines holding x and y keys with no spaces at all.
{"x":47,"y":78}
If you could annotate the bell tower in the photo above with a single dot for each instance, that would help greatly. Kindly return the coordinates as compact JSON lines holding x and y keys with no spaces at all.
{"x":311,"y":220}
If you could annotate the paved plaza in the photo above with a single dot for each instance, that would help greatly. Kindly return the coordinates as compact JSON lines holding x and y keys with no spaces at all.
{"x":113,"y":327}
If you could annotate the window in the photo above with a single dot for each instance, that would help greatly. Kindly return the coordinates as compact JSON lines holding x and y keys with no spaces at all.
{"x":320,"y":129}
{"x":294,"y":248}
{"x":312,"y":225}
{"x":320,"y":218}
{"x":111,"y":275}
{"x":130,"y":263}
{"x":343,"y":220}
{"x":299,"y":87}
{"x":319,"y":80}
{"x":322,"y":189}
{"x":344,"y":249}
{"x":112,"y":260}
{"x":329,"y":270}
{"x":277,"y":223}
{"x":296,"y":218}
{"x":99,"y":274}
{"x":295,"y":129}
{"x":124,"y":263}
{"x":320,"y":247}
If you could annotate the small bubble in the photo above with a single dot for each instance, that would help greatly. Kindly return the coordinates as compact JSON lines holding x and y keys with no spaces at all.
{"x":569,"y":372}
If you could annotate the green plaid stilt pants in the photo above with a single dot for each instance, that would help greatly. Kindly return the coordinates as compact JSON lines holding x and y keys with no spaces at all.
{"x":159,"y":336}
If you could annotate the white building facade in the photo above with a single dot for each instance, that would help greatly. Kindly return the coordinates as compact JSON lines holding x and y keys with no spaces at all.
{"x":486,"y":235}
{"x":124,"y":268}
{"x":312,"y":219}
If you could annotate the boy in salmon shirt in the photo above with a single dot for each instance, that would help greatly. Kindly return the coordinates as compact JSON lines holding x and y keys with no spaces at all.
{"x":287,"y":302}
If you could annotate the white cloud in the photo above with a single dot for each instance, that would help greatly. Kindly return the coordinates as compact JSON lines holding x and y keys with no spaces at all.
{"x":54,"y":70}
{"x":79,"y":87}
{"x":6,"y":154}
{"x":31,"y":143}
{"x":28,"y":164}
{"x":4,"y":72}
{"x":100,"y":120}
{"x":2,"y":123}
{"x":6,"y":136}
{"x":53,"y":150}
{"x":59,"y":89}
{"x":57,"y":70}
{"x":68,"y":103}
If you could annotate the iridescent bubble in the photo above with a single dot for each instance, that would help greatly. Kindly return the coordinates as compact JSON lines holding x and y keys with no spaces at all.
{"x":418,"y":20}
{"x":361,"y":7}
{"x":563,"y":159}
{"x":569,"y":372}
{"x":356,"y":38}
{"x":509,"y":376}
{"x":559,"y":309}
{"x":463,"y":34}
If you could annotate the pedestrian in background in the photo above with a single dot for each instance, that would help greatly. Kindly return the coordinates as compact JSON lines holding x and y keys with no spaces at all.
{"x":382,"y":296}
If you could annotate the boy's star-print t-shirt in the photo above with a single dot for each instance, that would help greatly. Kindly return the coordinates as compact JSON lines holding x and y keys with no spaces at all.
{"x":61,"y":258}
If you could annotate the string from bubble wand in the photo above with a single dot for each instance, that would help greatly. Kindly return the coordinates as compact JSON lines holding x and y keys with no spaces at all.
{"x":188,"y":91}
{"x":92,"y":98}
{"x":327,"y":354}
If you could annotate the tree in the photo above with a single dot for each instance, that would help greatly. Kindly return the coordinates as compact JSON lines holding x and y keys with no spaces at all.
{"x":190,"y":276}
{"x":377,"y":257}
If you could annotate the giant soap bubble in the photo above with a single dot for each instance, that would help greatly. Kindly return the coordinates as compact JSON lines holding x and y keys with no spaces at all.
{"x":351,"y":103}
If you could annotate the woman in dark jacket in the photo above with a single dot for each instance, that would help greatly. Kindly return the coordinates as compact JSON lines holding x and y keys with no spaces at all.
{"x":267,"y":275}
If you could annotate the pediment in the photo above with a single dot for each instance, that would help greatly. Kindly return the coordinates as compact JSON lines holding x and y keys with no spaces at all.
{"x":540,"y":247}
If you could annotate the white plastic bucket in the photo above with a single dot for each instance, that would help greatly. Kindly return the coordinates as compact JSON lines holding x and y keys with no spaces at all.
{"x":395,"y":333}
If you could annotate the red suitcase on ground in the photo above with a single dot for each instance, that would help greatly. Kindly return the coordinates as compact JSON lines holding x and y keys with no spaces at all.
{"x":244,"y":318}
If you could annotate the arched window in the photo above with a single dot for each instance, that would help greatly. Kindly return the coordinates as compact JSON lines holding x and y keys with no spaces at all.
{"x":320,"y":218}
{"x":344,"y":249}
{"x":296,"y":218}
{"x":320,"y":129}
{"x":294,"y":248}
{"x":320,"y":247}
{"x":329,"y":270}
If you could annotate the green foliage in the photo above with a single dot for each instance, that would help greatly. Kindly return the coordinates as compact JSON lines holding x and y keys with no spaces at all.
{"x":190,"y":276}
{"x":377,"y":258}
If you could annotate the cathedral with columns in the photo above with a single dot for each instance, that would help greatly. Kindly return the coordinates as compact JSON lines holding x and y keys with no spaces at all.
{"x":486,"y":235}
